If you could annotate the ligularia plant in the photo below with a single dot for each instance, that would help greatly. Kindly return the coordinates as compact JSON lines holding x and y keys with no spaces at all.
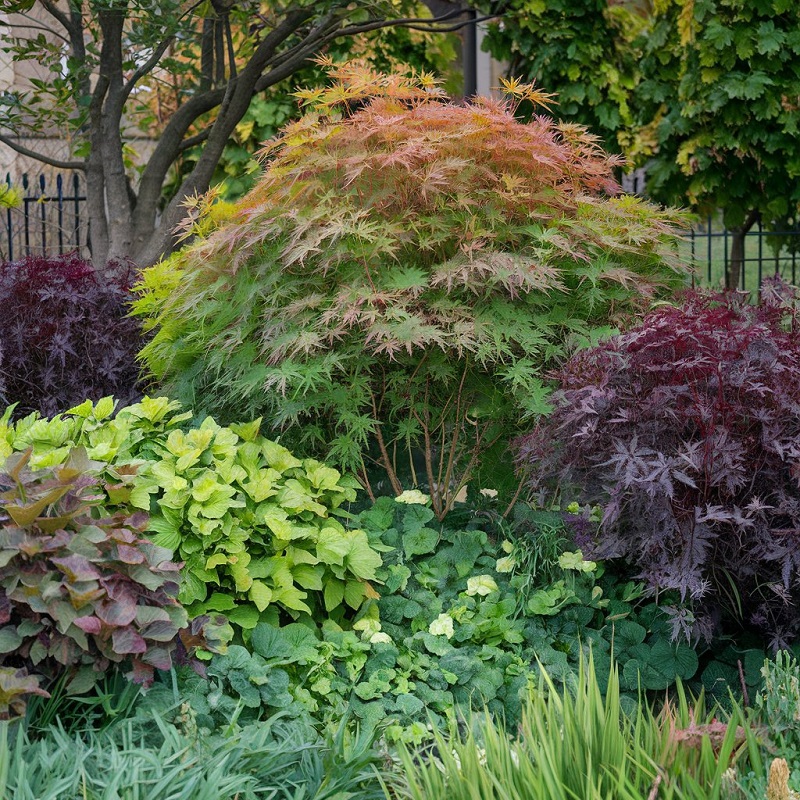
{"x":393,"y":290}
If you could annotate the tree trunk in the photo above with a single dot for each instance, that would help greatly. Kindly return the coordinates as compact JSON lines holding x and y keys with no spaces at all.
{"x":735,"y":265}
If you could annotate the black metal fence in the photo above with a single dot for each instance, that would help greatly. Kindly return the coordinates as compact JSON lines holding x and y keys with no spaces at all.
{"x":766,"y":252}
{"x":51,"y":218}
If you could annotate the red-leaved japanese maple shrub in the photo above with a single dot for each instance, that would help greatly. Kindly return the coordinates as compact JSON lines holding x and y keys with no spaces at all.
{"x":65,"y":334}
{"x":687,"y":430}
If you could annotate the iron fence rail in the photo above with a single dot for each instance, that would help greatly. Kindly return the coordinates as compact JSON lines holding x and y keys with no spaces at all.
{"x":50,"y":219}
{"x":766,"y":252}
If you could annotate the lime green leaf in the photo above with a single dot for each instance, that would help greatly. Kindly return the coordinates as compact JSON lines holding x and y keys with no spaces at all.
{"x":333,"y":593}
{"x":260,"y":594}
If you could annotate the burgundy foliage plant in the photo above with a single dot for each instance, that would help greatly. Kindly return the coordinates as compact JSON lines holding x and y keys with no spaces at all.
{"x":65,"y":335}
{"x":79,"y":591}
{"x":687,"y":430}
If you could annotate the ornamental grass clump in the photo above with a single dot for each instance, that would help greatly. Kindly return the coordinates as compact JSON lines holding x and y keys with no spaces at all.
{"x":687,"y":429}
{"x":392,"y":290}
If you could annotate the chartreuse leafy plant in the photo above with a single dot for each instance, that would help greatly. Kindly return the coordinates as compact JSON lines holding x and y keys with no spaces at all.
{"x":686,"y":428}
{"x":392,"y":291}
{"x":79,"y":592}
{"x":255,"y":527}
{"x":458,"y":625}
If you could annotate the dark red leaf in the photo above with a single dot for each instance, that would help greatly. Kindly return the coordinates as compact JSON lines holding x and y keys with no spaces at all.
{"x":126,"y":640}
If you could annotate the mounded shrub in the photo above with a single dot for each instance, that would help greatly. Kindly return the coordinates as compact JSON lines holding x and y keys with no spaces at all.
{"x":65,"y":334}
{"x":78,"y":592}
{"x":394,"y":288}
{"x":687,"y":429}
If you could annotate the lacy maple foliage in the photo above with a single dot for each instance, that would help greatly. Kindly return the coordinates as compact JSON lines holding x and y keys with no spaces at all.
{"x":402,"y":274}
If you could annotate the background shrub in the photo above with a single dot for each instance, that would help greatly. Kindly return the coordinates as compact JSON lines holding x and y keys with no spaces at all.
{"x":65,"y":334}
{"x":392,"y":290}
{"x":79,"y":593}
{"x":687,"y":429}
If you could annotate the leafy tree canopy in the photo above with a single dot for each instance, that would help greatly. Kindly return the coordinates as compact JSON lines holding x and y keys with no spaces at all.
{"x":184,"y":73}
{"x":580,"y":49}
{"x":720,"y":99}
{"x":402,"y":276}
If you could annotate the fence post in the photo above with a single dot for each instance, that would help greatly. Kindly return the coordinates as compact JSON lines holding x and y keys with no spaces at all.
{"x":9,"y":225}
{"x":43,"y":208}
{"x":26,"y":203}
{"x":75,"y":198}
{"x":60,"y":195}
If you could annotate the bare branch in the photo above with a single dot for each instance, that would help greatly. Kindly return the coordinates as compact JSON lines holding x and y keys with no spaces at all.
{"x":456,"y":26}
{"x":194,"y":140}
{"x":57,"y":13}
{"x":49,"y":160}
{"x":428,"y":25}
{"x":147,"y":66}
{"x":34,"y":25}
{"x":159,"y":51}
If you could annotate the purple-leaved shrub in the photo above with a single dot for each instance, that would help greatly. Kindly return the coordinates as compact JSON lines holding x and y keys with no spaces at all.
{"x":80,"y":592}
{"x":687,"y":429}
{"x":65,"y":334}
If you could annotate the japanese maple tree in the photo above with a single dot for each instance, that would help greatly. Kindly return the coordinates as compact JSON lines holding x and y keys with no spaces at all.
{"x":392,"y":290}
